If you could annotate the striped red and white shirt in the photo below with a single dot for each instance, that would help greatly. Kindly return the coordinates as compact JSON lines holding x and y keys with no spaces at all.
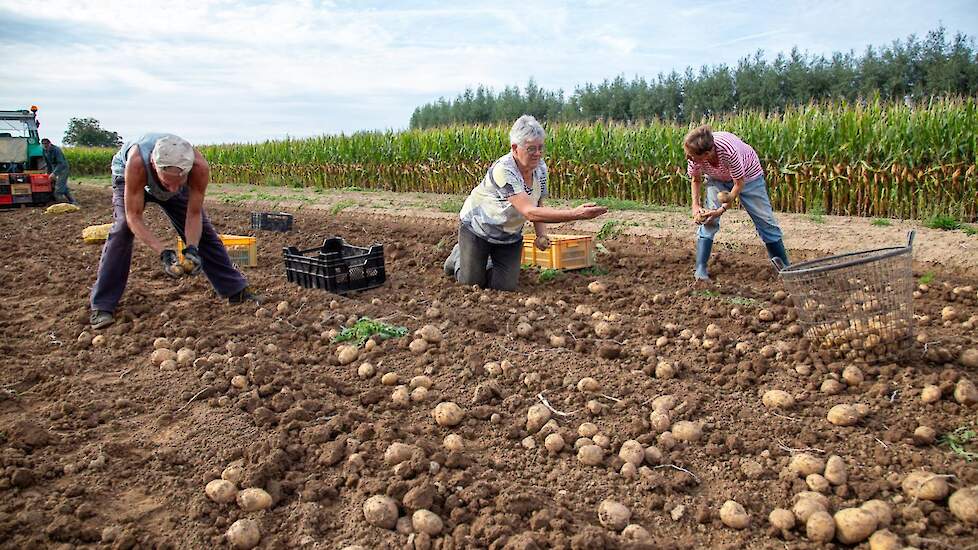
{"x":735,"y":159}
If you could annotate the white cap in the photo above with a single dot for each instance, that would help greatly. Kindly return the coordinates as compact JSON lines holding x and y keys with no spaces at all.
{"x":172,"y":151}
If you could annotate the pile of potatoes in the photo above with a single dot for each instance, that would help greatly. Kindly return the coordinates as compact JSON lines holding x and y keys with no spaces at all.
{"x":871,"y":520}
{"x":165,"y":358}
{"x":615,"y":516}
{"x":872,"y":340}
{"x":849,"y":525}
{"x":243,"y":534}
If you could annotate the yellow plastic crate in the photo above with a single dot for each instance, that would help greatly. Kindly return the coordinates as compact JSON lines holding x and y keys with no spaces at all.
{"x":242,"y":250}
{"x":565,"y":252}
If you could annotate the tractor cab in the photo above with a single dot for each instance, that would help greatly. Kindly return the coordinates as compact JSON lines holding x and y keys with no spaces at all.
{"x":23,"y":177}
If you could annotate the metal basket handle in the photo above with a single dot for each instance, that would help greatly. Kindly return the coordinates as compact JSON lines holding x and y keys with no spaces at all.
{"x":778,"y":264}
{"x":910,"y":237}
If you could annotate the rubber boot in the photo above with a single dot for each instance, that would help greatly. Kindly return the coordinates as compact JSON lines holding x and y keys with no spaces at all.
{"x":776,"y":250}
{"x":451,"y":263}
{"x":703,"y":249}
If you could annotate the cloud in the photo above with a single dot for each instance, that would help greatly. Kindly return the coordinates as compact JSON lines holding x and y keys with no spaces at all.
{"x":217,"y":70}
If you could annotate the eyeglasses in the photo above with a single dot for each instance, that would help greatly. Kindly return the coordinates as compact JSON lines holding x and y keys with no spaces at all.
{"x":534,"y":149}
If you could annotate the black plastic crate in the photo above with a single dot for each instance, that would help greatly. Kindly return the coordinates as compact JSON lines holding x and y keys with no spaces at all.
{"x":336,"y":266}
{"x":4,"y":189}
{"x":19,"y":178}
{"x":271,"y":221}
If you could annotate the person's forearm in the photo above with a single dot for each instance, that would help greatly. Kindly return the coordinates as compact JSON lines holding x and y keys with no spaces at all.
{"x":139,"y":229}
{"x":738,"y":186}
{"x":545,"y":214}
{"x":540,"y":228}
{"x":193,"y":228}
{"x":696,"y":192}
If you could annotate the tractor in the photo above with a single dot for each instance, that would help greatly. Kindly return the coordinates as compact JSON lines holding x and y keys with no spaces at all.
{"x":23,"y":172}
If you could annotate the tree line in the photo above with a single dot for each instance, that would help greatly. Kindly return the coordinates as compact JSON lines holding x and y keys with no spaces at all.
{"x":910,"y":70}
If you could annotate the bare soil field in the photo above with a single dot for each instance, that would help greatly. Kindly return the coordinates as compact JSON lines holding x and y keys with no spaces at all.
{"x":648,"y":392}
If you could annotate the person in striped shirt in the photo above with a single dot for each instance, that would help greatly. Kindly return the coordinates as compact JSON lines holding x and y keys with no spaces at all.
{"x":729,"y":165}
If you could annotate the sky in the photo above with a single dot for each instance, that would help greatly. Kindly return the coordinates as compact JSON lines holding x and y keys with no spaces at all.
{"x":220,"y":71}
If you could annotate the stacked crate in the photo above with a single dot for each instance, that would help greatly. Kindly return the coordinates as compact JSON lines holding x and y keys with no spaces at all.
{"x":27,"y":188}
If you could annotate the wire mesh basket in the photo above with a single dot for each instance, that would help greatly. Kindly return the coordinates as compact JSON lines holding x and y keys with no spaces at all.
{"x":856,"y":306}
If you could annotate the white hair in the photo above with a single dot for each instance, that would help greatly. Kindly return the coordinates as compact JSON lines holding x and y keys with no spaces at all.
{"x":525,"y":129}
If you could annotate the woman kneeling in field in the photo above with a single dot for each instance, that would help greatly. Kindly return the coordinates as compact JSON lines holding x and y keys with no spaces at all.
{"x":731,"y":166}
{"x":493,"y":215}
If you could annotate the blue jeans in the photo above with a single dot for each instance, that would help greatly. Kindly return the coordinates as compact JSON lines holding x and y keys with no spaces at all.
{"x":754,"y":199}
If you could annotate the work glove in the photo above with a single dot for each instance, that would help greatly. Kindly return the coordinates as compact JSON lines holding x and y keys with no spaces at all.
{"x":191,"y":260}
{"x":170,"y":265}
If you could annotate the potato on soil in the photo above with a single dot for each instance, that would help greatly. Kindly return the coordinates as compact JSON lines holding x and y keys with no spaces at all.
{"x":536,"y":417}
{"x":685,"y":430}
{"x":604,"y":329}
{"x":969,"y":358}
{"x":733,"y":515}
{"x":453,"y":442}
{"x":804,"y":508}
{"x":426,"y":521}
{"x":590,"y":455}
{"x":835,"y":470}
{"x":818,"y":483}
{"x":161,"y":343}
{"x":254,"y":499}
{"x":930,"y":394}
{"x":965,"y":392}
{"x":554,"y":443}
{"x":632,"y":452}
{"x":778,"y":399}
{"x":925,"y":485}
{"x":964,"y":504}
{"x":884,"y":539}
{"x":597,"y":287}
{"x":804,"y":464}
{"x":782,"y":519}
{"x":844,"y":415}
{"x":880,"y":509}
{"x":347,"y":354}
{"x":588,"y":385}
{"x":854,"y":525}
{"x":221,"y":491}
{"x":820,"y":526}
{"x":162,"y":354}
{"x":613,"y":515}
{"x":233,"y":473}
{"x":401,"y":397}
{"x":398,"y":452}
{"x":244,"y":534}
{"x":418,"y":346}
{"x":636,"y":534}
{"x":430,"y":334}
{"x":380,"y":511}
{"x":448,"y":413}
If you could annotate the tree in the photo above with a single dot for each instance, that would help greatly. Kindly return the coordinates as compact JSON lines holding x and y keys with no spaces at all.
{"x":88,"y":132}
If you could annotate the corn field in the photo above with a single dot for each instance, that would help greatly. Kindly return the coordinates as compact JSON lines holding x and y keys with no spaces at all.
{"x":864,"y":159}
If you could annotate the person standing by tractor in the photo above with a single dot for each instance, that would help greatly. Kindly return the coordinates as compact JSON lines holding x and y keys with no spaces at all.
{"x":167,"y":170}
{"x":733,"y":170}
{"x":58,"y":170}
